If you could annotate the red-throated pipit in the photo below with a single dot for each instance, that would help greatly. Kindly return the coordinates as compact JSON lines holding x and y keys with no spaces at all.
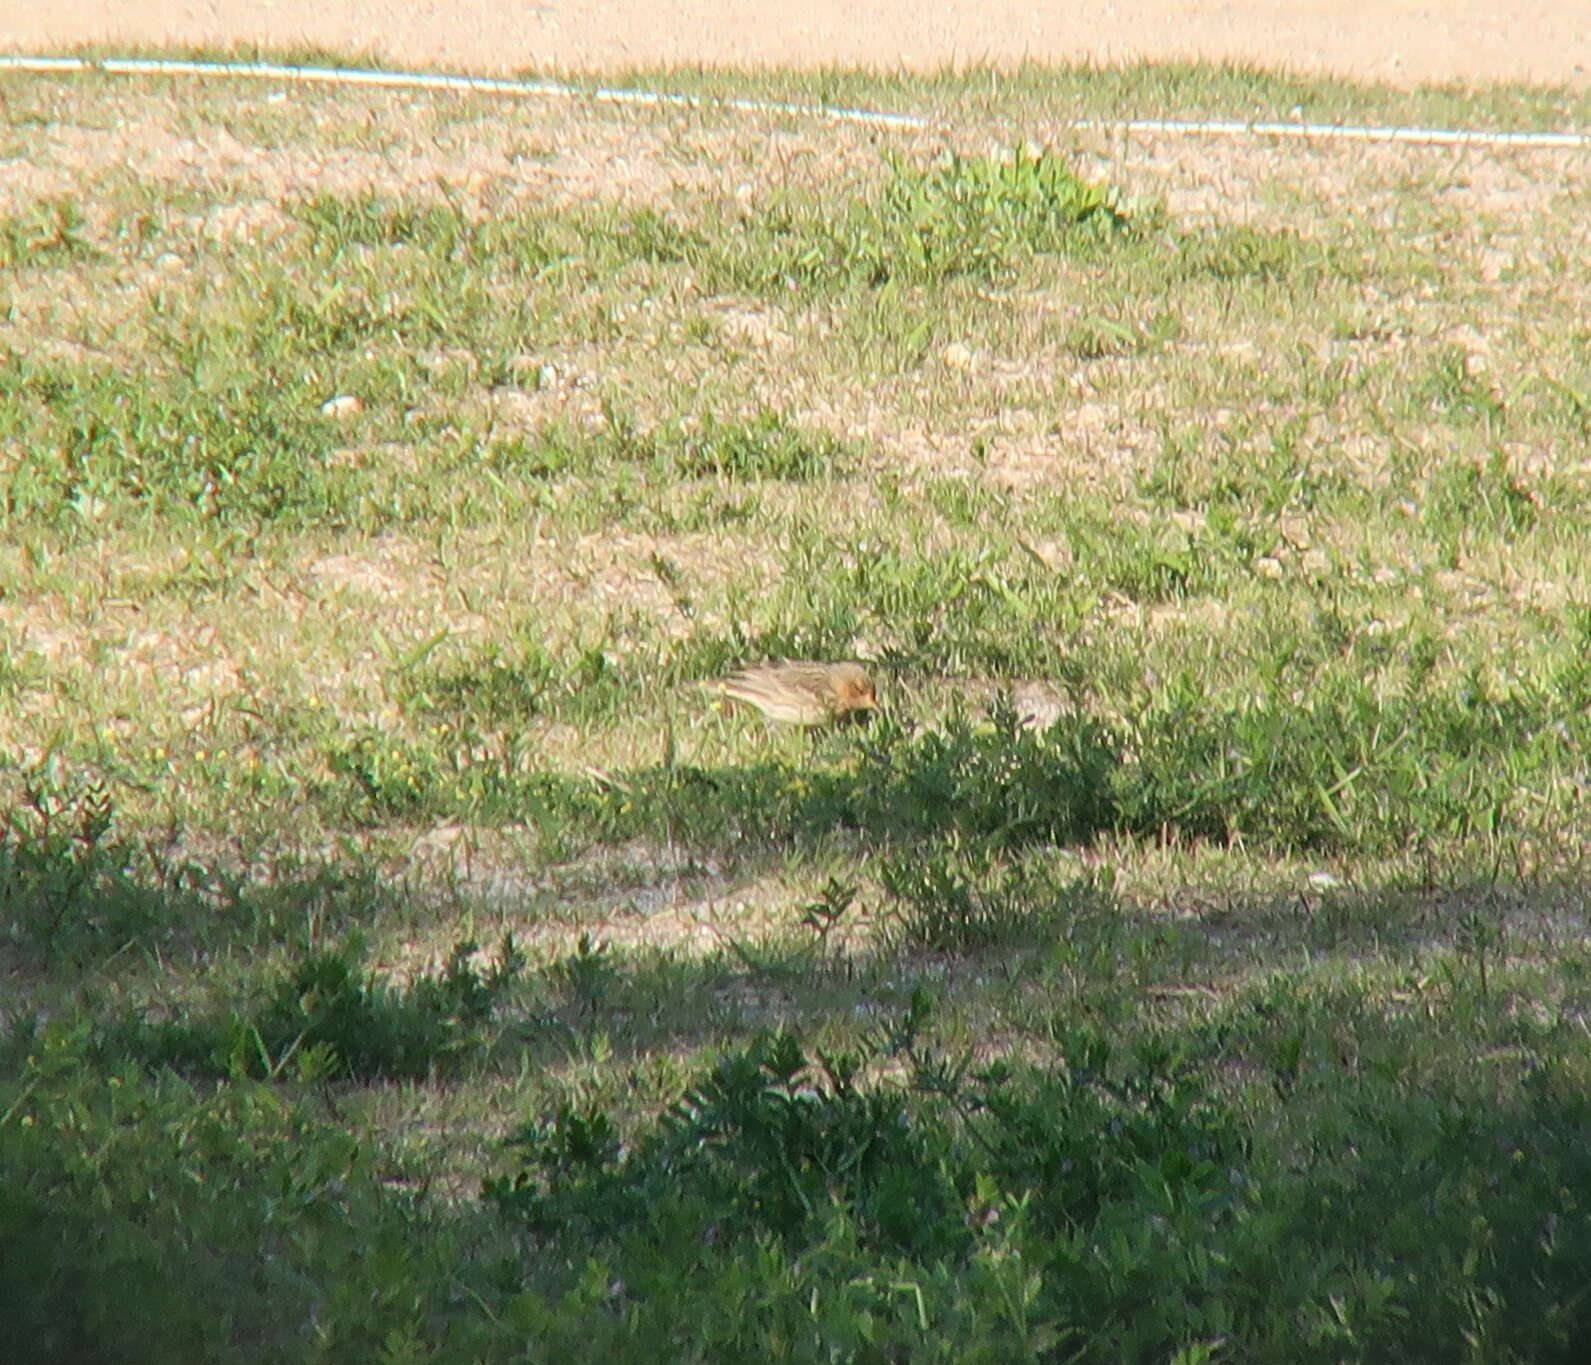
{"x":799,"y":692}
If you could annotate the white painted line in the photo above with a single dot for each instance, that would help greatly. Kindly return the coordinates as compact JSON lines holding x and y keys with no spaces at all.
{"x":487,"y":85}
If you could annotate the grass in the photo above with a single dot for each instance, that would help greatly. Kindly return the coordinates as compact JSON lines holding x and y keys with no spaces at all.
{"x":382,"y":481}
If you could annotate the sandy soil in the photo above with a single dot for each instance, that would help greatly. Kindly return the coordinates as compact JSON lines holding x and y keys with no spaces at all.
{"x":1403,"y":41}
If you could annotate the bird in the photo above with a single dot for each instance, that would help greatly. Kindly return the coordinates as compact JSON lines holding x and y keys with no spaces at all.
{"x":803,"y":692}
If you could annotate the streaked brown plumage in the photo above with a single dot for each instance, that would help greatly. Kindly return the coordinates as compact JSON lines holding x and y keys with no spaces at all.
{"x":801,"y":692}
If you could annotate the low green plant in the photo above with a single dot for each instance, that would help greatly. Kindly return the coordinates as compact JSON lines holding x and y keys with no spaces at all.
{"x":976,"y":216}
{"x":136,"y":1206}
{"x":768,"y":446}
{"x":1107,"y":1199}
{"x":832,"y":906}
{"x":993,"y":784}
{"x":1344,"y":767}
{"x":49,"y":233}
{"x":496,"y":686}
{"x":1248,"y":253}
{"x":392,"y":777}
{"x":1099,"y":337}
{"x":326,"y":1017}
{"x":1465,"y":497}
{"x":228,"y":440}
{"x":961,"y":900}
{"x":72,"y":889}
{"x":1451,"y":389}
{"x":588,"y":974}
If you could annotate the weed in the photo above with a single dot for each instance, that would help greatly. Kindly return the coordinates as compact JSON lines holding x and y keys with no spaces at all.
{"x":142,"y":1199}
{"x":1099,"y":338}
{"x":326,"y":1018}
{"x":972,"y":216}
{"x":1245,"y":253}
{"x":1450,"y":389}
{"x":588,"y":973}
{"x":1462,"y":495}
{"x":73,"y":890}
{"x":216,"y":443}
{"x":49,"y":233}
{"x":823,"y":915}
{"x":956,"y":902}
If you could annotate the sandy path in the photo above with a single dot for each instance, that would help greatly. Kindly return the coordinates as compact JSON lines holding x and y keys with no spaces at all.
{"x":1404,"y":41}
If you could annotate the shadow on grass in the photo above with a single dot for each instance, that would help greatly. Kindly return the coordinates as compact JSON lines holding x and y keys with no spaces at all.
{"x":1020,"y":946}
{"x":1348,"y":770}
{"x":1011,"y":952}
{"x":1366,"y":1105}
{"x":75,"y":894}
{"x":1374,"y":1177}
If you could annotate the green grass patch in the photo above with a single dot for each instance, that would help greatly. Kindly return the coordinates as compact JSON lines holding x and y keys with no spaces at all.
{"x":51,"y":232}
{"x":978,"y":217}
{"x":1024,"y":1211}
{"x":328,"y":1018}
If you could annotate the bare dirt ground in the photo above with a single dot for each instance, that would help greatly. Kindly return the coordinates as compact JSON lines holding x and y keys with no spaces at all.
{"x":1401,"y":41}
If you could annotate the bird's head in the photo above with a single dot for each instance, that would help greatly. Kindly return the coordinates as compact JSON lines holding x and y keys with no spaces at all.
{"x":853,"y":689}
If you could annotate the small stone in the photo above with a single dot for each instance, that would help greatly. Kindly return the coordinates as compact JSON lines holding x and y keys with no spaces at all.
{"x":956,"y":355}
{"x":1037,"y":706}
{"x":343,"y":405}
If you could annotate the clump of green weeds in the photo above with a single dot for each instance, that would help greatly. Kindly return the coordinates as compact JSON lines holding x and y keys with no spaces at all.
{"x":136,"y":1204}
{"x":1099,"y":336}
{"x":1230,"y":254}
{"x":777,"y":1138}
{"x":497,"y":685}
{"x":224,"y":440}
{"x":49,"y":233}
{"x":899,"y":1196}
{"x":767,"y":446}
{"x":71,"y":887}
{"x":1452,"y":390}
{"x":993,"y":783}
{"x":976,"y":216}
{"x":327,"y":1017}
{"x":953,"y":899}
{"x":1345,"y":766}
{"x":588,"y":974}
